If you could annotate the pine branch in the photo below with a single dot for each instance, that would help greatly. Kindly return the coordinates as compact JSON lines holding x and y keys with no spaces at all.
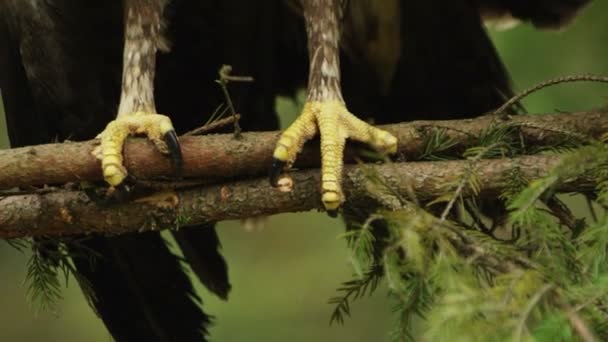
{"x":65,"y":212}
{"x":220,"y":156}
{"x":352,"y":290}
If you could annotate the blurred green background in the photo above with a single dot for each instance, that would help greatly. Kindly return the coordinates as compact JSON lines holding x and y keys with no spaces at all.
{"x":283,"y":274}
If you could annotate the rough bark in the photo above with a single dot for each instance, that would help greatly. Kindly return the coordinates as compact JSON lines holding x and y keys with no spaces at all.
{"x":67,"y":212}
{"x":221,"y":156}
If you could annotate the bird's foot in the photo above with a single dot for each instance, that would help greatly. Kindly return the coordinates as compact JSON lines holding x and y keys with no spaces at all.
{"x":158,"y":128}
{"x":335,"y":124}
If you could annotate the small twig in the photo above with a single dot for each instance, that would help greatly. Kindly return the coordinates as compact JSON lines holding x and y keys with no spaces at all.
{"x":562,"y":212}
{"x":466,"y":177}
{"x":457,"y":194}
{"x":576,"y":78}
{"x":214,"y":126}
{"x":531,"y":304}
{"x":477,"y":220}
{"x":225,"y":77}
{"x":581,"y":327}
{"x":592,"y":212}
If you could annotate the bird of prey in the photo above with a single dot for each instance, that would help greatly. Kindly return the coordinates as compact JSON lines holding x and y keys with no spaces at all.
{"x":429,"y":59}
{"x":72,"y":69}
{"x":325,"y":111}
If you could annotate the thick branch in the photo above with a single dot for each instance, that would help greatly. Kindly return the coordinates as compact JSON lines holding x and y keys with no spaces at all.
{"x":221,"y":156}
{"x":71,"y":212}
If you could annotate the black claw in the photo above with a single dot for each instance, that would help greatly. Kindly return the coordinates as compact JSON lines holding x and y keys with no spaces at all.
{"x":97,"y":195}
{"x":332,"y":213}
{"x":122,"y":193}
{"x":275,"y":171}
{"x":106,"y":197}
{"x":175,"y":152}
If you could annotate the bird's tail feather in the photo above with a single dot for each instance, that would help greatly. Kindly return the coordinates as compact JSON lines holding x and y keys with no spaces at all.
{"x":200,"y":245}
{"x":141,"y":291}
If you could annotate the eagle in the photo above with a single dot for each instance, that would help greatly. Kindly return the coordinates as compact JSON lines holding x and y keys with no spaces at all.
{"x":388,"y":36}
{"x":75,"y":70}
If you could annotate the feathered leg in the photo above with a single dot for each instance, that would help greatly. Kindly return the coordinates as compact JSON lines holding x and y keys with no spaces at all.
{"x":137,"y":110}
{"x":325,"y":111}
{"x":141,"y":291}
{"x":60,"y":72}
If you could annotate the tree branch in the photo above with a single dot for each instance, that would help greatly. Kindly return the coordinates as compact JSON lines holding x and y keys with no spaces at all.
{"x":64,"y":212}
{"x":220,"y":156}
{"x":72,"y":212}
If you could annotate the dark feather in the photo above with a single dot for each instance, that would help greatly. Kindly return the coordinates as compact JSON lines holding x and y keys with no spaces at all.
{"x":542,"y":13}
{"x":141,"y":290}
{"x":200,"y":246}
{"x":61,"y":65}
{"x":447,"y":68}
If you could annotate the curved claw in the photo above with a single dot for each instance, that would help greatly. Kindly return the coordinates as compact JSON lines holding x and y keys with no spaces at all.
{"x":157,"y":127}
{"x":275,"y":171}
{"x":105,"y":197}
{"x":175,"y":152}
{"x":333,"y":213}
{"x":122,"y":193}
{"x":94,"y":195}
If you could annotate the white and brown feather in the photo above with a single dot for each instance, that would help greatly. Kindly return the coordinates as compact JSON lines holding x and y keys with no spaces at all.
{"x":323,"y":19}
{"x":143,"y":38}
{"x":368,"y":30}
{"x":371,"y":36}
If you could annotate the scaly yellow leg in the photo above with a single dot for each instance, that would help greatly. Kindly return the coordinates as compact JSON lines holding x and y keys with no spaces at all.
{"x":325,"y":110}
{"x":335,"y":124}
{"x":158,"y":129}
{"x":136,"y":111}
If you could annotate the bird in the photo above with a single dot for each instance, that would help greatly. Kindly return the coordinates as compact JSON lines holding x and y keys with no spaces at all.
{"x":399,"y":60}
{"x":75,"y":70}
{"x":429,"y":59}
{"x":106,"y":69}
{"x":325,"y":111}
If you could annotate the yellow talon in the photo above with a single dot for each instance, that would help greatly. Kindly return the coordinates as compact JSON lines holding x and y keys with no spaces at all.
{"x":280,"y":153}
{"x":155,"y":126}
{"x":335,"y":124}
{"x":331,"y":200}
